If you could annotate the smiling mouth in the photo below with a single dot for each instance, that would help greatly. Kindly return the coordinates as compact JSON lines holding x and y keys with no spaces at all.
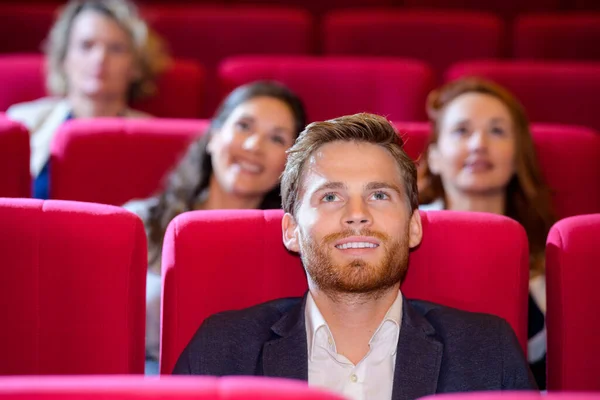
{"x":357,"y":245}
{"x":249,"y":167}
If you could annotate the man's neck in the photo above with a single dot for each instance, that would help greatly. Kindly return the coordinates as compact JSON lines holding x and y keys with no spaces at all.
{"x":354,"y":318}
{"x":87,"y":107}
{"x":218,"y":199}
{"x":494,"y":203}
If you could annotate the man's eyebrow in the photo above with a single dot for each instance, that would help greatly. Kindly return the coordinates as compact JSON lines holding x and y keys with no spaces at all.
{"x":330,"y":186}
{"x":383,"y":185}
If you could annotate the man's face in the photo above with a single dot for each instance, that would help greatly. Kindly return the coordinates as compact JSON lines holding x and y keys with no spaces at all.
{"x":353,"y":228}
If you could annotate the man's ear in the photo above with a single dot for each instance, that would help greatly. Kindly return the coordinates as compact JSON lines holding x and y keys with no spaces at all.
{"x":433,"y":157}
{"x":289,"y":229}
{"x":415,"y":230}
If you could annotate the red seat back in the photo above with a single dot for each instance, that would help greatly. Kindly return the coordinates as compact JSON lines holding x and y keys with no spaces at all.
{"x":72,"y":288}
{"x":438,"y":38}
{"x":335,"y":86}
{"x":572,"y":273}
{"x":558,"y":36}
{"x":221,"y":260}
{"x":15,"y":179}
{"x":562,"y":93}
{"x":26,"y":25}
{"x":112,"y":161}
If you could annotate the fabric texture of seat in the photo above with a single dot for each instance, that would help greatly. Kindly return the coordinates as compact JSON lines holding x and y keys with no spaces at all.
{"x":166,"y":388}
{"x":27,"y":26}
{"x":557,"y":36}
{"x":72,"y":288}
{"x":436,"y":37}
{"x":572,"y":254}
{"x":112,"y":161}
{"x":15,"y":180}
{"x":561,"y":93}
{"x":506,"y":9}
{"x":221,"y":260}
{"x":335,"y":86}
{"x":180,"y":90}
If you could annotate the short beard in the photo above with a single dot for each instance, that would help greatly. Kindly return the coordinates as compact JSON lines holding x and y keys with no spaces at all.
{"x":357,"y":277}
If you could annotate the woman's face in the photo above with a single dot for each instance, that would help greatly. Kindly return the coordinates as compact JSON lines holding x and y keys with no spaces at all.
{"x":100,"y":61}
{"x":476,"y":148}
{"x":249,"y":151}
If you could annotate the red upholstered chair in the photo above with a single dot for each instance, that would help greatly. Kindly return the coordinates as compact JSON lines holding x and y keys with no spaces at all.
{"x":112,"y":161}
{"x":573,"y":321}
{"x":569,"y":158}
{"x":25,"y":26}
{"x":507,"y":9}
{"x":166,"y":388}
{"x":557,"y":36}
{"x":179,"y":94}
{"x":72,"y":288}
{"x":335,"y":86}
{"x":415,"y":136}
{"x":221,"y":260}
{"x":15,"y":179}
{"x":320,"y":7}
{"x":209,"y":34}
{"x":522,"y":395}
{"x":436,"y":37}
{"x":563,"y":93}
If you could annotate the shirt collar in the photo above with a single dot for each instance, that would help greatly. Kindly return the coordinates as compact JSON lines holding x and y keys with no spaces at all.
{"x":314,"y":321}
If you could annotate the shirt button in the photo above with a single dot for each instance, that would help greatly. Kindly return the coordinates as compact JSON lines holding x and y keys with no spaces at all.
{"x":353,"y":378}
{"x":330,"y":340}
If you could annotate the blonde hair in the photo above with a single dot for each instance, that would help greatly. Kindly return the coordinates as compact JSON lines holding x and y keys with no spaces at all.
{"x":149,"y":51}
{"x":361,"y":128}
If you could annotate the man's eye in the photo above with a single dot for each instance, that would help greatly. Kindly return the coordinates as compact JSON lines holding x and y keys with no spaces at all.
{"x":329,"y":197}
{"x":380,"y":196}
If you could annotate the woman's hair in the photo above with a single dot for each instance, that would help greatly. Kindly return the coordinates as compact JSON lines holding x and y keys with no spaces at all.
{"x":528,"y":199}
{"x":149,"y":51}
{"x":190,"y":179}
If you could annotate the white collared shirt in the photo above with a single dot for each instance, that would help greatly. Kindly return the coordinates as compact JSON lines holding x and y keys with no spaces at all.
{"x":373,"y":376}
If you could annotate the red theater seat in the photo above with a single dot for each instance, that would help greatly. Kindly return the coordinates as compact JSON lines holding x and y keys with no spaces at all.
{"x":473,"y":261}
{"x":522,"y":395}
{"x":558,"y":36}
{"x":15,"y":179}
{"x":506,"y":9}
{"x":563,"y":93}
{"x":438,"y":38}
{"x":573,"y":321}
{"x":112,"y":161}
{"x":25,"y":26}
{"x":335,"y":86}
{"x":166,"y":388}
{"x":179,"y":95}
{"x":72,"y":288}
{"x":319,"y":7}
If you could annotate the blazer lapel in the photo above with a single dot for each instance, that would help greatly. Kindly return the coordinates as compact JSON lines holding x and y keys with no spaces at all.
{"x":42,"y":136}
{"x":418,"y":357}
{"x":286,"y":356}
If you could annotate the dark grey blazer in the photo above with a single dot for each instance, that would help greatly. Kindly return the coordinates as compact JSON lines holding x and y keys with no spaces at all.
{"x":440,"y":349}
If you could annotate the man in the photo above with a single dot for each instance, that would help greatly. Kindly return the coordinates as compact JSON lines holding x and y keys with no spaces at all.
{"x":350,"y":196}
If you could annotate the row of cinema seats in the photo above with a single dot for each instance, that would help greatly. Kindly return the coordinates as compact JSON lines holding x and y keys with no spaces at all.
{"x":203,"y":388}
{"x":563,"y":93}
{"x":71,"y":294}
{"x":112,"y":161}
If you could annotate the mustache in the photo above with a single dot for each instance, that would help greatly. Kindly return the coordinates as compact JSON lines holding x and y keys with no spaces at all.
{"x":334,"y":237}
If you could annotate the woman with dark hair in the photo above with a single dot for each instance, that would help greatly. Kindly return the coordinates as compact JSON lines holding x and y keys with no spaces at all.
{"x":481,"y":157}
{"x":236,"y":164}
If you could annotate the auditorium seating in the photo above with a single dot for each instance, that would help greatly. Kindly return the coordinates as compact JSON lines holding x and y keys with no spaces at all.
{"x":515,"y":395}
{"x":112,"y":161}
{"x":166,"y":388}
{"x":15,"y":179}
{"x":558,"y":36}
{"x":563,"y":93}
{"x":24,"y":26}
{"x":72,"y":288}
{"x":439,"y":38}
{"x":180,"y":91}
{"x":220,"y":260}
{"x":573,"y":321}
{"x":334,"y":86}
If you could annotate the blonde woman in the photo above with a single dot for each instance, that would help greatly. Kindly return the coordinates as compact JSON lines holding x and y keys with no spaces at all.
{"x":100,"y":56}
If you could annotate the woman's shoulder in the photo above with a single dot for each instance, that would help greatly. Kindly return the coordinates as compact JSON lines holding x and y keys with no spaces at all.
{"x":31,"y":113}
{"x":436,"y":205}
{"x":131,"y":113}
